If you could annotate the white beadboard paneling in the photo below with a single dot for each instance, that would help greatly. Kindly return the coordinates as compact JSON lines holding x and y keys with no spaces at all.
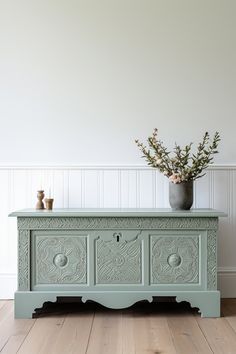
{"x":4,"y":222}
{"x":220,"y":186}
{"x":165,"y":192}
{"x":220,"y":190}
{"x":9,"y":230}
{"x":58,"y":189}
{"x":75,"y":189}
{"x":112,"y":186}
{"x":124,"y":188}
{"x":11,"y":251}
{"x":133,"y":188}
{"x":65,"y":186}
{"x":110,"y":182}
{"x":146,"y":189}
{"x":8,"y":285}
{"x":160,"y":185}
{"x":21,"y":182}
{"x":90,"y":189}
{"x":37,"y":180}
{"x":233,"y":204}
{"x":202,"y":192}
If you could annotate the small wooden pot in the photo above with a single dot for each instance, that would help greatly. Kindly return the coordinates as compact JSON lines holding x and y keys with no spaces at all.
{"x":49,"y":203}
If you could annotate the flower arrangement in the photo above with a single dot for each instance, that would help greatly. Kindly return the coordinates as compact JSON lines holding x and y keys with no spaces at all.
{"x":182,"y":165}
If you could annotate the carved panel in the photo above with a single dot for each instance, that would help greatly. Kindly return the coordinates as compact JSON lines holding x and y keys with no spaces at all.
{"x":24,"y":261}
{"x":175,"y":259}
{"x":93,"y":223}
{"x":211,"y":260}
{"x":118,"y":262}
{"x":60,"y":260}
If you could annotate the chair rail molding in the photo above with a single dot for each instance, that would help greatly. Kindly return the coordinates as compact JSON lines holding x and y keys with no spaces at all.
{"x":108,"y":186}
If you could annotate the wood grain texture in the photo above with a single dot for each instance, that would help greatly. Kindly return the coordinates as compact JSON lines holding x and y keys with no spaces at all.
{"x":106,"y":334}
{"x":12,"y":332}
{"x":158,"y":328}
{"x":42,"y":335}
{"x":2,"y":303}
{"x":73,"y":336}
{"x":187,"y":336}
{"x":220,"y":332}
{"x":152,"y":334}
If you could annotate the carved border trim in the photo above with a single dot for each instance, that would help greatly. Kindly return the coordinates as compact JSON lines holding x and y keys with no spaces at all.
{"x":93,"y":223}
{"x":24,"y":260}
{"x":211,"y":260}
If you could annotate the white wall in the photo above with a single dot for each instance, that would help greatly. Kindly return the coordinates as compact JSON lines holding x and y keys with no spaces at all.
{"x":80,"y":79}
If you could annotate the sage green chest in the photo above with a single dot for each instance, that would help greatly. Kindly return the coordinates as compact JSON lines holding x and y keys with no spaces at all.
{"x":117,"y":257}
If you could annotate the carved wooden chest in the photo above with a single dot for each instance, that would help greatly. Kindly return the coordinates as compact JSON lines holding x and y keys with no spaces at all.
{"x":117,"y":257}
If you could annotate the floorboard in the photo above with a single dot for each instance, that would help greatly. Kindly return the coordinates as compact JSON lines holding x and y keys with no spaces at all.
{"x":158,"y":328}
{"x":151,"y":333}
{"x":12,"y":332}
{"x":2,"y":303}
{"x":106,"y":334}
{"x":219,"y":332}
{"x":187,"y":336}
{"x":42,"y":336}
{"x":74,"y":334}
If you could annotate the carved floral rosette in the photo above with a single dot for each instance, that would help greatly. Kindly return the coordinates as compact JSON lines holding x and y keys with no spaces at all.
{"x":175,"y":260}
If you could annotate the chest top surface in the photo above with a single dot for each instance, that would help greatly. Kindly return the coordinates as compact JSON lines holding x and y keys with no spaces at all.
{"x":118,"y":212}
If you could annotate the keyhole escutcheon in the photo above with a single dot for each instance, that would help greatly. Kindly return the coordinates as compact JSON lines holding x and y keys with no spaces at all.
{"x":117,"y":235}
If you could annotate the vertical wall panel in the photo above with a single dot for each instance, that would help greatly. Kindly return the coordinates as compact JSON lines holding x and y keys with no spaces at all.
{"x":146,"y":189}
{"x":115,"y":187}
{"x":91,"y":189}
{"x":165,"y":190}
{"x":10,"y":226}
{"x":159,"y":189}
{"x":58,"y":189}
{"x":202,"y":192}
{"x":221,"y":185}
{"x":36,"y":179}
{"x":20,"y":189}
{"x":75,"y":189}
{"x":132,"y":188}
{"x":4,"y":208}
{"x":124,"y":188}
{"x":110,"y":183}
{"x":221,"y":190}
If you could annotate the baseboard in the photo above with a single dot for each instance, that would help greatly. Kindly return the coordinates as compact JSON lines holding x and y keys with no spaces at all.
{"x":8,"y":285}
{"x":226,"y":283}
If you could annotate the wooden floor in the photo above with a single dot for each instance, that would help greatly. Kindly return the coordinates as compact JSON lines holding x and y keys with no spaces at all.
{"x":156,"y":328}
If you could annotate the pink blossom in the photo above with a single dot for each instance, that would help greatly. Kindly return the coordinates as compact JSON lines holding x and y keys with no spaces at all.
{"x":175,"y":178}
{"x":158,"y":161}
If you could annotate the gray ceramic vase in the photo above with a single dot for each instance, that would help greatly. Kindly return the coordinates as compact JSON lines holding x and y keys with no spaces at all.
{"x":181,"y":195}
